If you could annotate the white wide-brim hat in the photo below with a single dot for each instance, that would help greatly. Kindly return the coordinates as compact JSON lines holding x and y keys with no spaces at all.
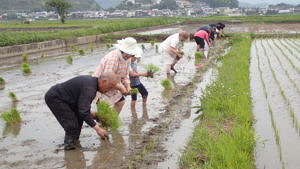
{"x":129,"y":45}
{"x":138,"y":56}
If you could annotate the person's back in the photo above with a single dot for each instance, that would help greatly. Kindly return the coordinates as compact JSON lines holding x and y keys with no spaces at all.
{"x":171,"y":41}
{"x":202,"y":34}
{"x":205,"y":28}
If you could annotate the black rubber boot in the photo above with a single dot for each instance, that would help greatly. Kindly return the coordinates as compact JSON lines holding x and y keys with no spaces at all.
{"x":69,"y":143}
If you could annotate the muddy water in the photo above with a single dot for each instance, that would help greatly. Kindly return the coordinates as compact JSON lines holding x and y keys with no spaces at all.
{"x":275,"y":97}
{"x":36,"y":142}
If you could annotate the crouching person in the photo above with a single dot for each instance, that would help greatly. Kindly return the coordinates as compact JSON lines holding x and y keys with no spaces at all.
{"x":70,"y":102}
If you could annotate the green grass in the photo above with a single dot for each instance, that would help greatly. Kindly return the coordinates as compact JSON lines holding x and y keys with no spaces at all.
{"x":2,"y":81}
{"x":107,"y":116}
{"x":134,"y":91}
{"x":13,"y":96}
{"x":69,"y":59}
{"x":13,"y":116}
{"x":25,"y":57}
{"x":26,"y":68}
{"x":167,"y":84}
{"x":151,"y":68}
{"x":224,"y":137}
{"x":199,"y":55}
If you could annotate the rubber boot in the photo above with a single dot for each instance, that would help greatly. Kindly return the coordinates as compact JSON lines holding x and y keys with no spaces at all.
{"x":69,"y":143}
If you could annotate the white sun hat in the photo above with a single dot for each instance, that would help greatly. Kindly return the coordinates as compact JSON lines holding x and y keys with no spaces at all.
{"x":129,"y":45}
{"x":138,"y":56}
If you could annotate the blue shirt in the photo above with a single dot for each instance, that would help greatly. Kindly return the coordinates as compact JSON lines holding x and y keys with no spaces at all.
{"x":134,"y":80}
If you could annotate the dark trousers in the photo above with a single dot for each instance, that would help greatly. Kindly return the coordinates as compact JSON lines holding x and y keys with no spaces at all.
{"x":66,"y":115}
{"x":141,"y":89}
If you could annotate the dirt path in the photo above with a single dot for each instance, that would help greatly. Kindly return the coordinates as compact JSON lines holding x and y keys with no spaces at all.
{"x":275,"y":93}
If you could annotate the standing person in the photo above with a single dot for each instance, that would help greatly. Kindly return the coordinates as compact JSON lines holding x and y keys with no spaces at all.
{"x":70,"y":102}
{"x":135,"y":81}
{"x":118,"y":61}
{"x":200,"y":37}
{"x":170,"y":50}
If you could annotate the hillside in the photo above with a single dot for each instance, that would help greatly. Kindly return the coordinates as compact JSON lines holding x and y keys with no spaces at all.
{"x":108,"y":3}
{"x":38,"y":5}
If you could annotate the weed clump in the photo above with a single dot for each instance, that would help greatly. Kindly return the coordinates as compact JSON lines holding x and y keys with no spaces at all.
{"x":13,"y":96}
{"x":69,"y":59}
{"x":11,"y":117}
{"x":26,"y":68}
{"x":199,"y":55}
{"x":107,"y":116}
{"x":2,"y":81}
{"x":167,"y":84}
{"x":25,"y":57}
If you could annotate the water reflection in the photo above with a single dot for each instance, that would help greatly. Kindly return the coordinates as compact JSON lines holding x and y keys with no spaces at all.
{"x":13,"y":129}
{"x":75,"y":159}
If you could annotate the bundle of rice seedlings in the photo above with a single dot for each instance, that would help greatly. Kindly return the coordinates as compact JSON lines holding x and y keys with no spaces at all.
{"x":24,"y":57}
{"x":134,"y":91}
{"x":13,"y":96}
{"x":91,"y":47}
{"x":26,"y":68}
{"x":107,"y":116}
{"x":152,"y":42}
{"x":2,"y":81}
{"x":69,"y":59}
{"x":151,"y":68}
{"x":143,"y":46}
{"x":199,"y":55}
{"x":167,"y":84}
{"x":81,"y":52}
{"x":11,"y":117}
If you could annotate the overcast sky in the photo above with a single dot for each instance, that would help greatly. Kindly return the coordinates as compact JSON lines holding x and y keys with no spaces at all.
{"x":271,"y":1}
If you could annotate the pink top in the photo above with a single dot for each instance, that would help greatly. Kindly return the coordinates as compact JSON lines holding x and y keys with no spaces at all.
{"x":202,"y":34}
{"x":114,"y":62}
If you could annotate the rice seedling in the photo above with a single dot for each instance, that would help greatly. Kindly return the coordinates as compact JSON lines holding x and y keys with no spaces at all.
{"x":143,"y":47}
{"x":2,"y":81}
{"x":69,"y":59}
{"x":81,"y":52}
{"x":107,"y":116}
{"x":199,"y":55}
{"x":13,"y":116}
{"x":42,"y":55}
{"x":151,"y":68}
{"x":152,"y":42}
{"x":91,"y":47}
{"x":74,"y":48}
{"x":167,"y":84}
{"x":133,"y":91}
{"x":13,"y":96}
{"x":108,"y":45}
{"x":25,"y":57}
{"x":26,"y":68}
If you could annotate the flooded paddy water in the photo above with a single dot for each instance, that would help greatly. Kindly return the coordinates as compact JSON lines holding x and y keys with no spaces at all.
{"x":275,"y":84}
{"x":150,"y":137}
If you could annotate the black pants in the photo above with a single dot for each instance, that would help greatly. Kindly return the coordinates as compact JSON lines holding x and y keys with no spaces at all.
{"x":67,"y":117}
{"x":141,"y":89}
{"x":199,"y":41}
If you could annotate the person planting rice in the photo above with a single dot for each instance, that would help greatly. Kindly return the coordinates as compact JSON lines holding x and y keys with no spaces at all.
{"x":200,"y":37}
{"x":70,"y":102}
{"x":135,"y":81}
{"x":220,"y":27}
{"x":170,"y":50}
{"x":210,"y":29}
{"x":118,"y":61}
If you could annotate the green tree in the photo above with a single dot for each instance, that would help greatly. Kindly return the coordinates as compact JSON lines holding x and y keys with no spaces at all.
{"x":61,"y":7}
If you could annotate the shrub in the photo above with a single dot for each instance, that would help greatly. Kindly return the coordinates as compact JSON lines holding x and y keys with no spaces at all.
{"x":13,"y":96}
{"x":151,"y":68}
{"x":69,"y":59}
{"x":107,"y":116}
{"x":26,"y":68}
{"x":11,"y":117}
{"x":167,"y":84}
{"x":24,"y":57}
{"x":199,"y":55}
{"x":2,"y":81}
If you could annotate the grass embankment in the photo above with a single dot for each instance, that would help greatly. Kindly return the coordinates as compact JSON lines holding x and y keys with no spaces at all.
{"x":224,"y":137}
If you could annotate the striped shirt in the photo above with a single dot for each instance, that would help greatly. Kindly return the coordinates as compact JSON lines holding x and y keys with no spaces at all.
{"x":114,"y":62}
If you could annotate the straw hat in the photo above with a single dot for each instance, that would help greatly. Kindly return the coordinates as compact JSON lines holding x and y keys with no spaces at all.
{"x":129,"y":46}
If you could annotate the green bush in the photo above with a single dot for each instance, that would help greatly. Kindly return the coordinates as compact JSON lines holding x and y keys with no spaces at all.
{"x":2,"y":81}
{"x":107,"y":116}
{"x":69,"y":59}
{"x":11,"y":117}
{"x":167,"y":84}
{"x":151,"y":68}
{"x":26,"y":68}
{"x":13,"y":96}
